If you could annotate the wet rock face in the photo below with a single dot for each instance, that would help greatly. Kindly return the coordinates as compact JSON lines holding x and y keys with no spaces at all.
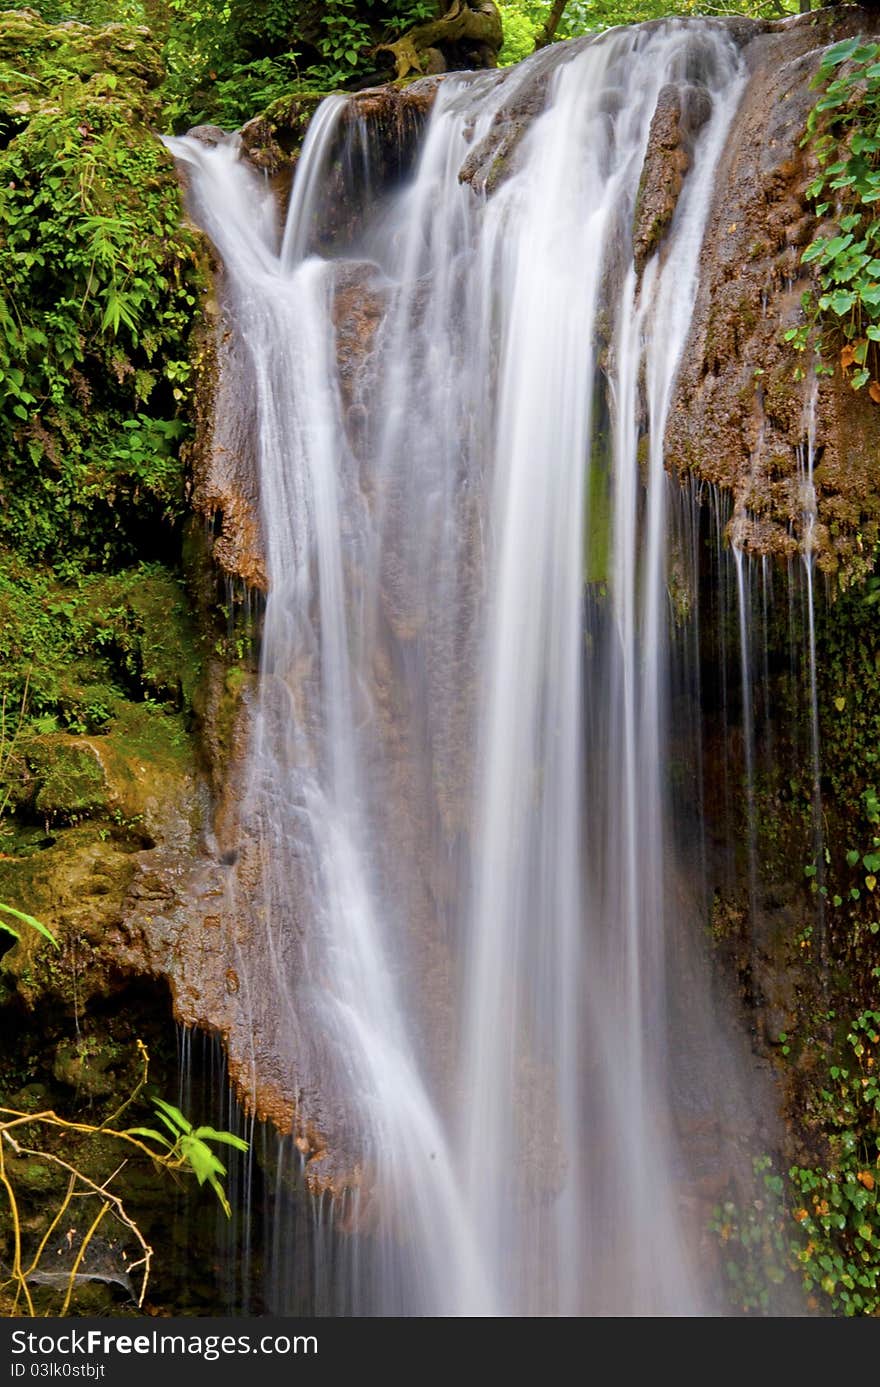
{"x":223,"y":455}
{"x":493,"y":159}
{"x":740,"y":416}
{"x":681,"y":113}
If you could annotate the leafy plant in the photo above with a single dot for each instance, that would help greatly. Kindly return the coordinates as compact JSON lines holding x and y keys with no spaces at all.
{"x":227,"y":61}
{"x":101,"y":286}
{"x":838,"y":1215}
{"x":190,"y":1147}
{"x":754,"y":1241}
{"x":844,"y":130}
{"x":10,"y":733}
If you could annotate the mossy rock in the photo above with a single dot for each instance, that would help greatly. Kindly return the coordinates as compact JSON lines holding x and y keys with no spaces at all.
{"x":272,"y":140}
{"x":70,"y":776}
{"x":144,"y":762}
{"x":87,"y":1068}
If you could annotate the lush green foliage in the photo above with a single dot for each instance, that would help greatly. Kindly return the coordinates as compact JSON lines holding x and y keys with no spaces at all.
{"x":519,"y":34}
{"x":524,"y":18}
{"x":228,"y":59}
{"x":849,"y":711}
{"x":838,"y":1217}
{"x":844,"y":130}
{"x":99,"y":295}
{"x":823,"y":1224}
{"x":78,"y":649}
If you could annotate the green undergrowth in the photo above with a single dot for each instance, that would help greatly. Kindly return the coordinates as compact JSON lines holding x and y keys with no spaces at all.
{"x":109,"y":656}
{"x":100,"y":291}
{"x":848,"y":662}
{"x":810,"y":1227}
{"x":832,"y":1190}
{"x":71,"y":650}
{"x":227,"y":61}
{"x":843,"y":132}
{"x":818,"y":1230}
{"x":100,"y":286}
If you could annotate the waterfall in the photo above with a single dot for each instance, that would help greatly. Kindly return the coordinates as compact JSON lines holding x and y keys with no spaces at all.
{"x":461,"y":934}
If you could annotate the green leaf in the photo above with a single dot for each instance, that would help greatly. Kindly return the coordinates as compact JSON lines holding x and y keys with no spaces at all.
{"x":228,"y":1138}
{"x":837,"y":244}
{"x":173,"y":1116}
{"x":202,"y":1159}
{"x":840,"y":301}
{"x":839,"y":52}
{"x":221,"y":1195}
{"x":148,"y":1132}
{"x":27,"y":920}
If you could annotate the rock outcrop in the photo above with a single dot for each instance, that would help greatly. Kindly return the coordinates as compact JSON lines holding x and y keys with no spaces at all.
{"x":741,"y":416}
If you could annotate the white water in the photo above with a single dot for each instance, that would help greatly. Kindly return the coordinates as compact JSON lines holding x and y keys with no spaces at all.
{"x":456,"y":804}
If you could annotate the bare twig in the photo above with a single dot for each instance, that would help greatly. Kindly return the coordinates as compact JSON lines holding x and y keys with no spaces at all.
{"x":114,"y":1203}
{"x":71,"y":1280}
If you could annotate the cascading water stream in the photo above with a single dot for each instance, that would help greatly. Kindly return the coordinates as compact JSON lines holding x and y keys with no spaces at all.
{"x":454,"y":826}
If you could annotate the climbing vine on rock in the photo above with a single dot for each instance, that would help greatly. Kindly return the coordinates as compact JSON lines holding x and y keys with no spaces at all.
{"x":838,"y":1204}
{"x":844,"y":131}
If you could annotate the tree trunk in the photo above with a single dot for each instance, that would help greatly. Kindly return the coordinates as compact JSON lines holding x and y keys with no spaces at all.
{"x":466,"y":35}
{"x":547,"y":32}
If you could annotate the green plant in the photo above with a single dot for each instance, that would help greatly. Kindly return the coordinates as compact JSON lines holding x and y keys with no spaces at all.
{"x":844,"y":130}
{"x":227,"y":61}
{"x":101,"y":286}
{"x":190,"y":1147}
{"x":753,"y":1240}
{"x":837,"y":1247}
{"x":10,"y":734}
{"x":520,"y":32}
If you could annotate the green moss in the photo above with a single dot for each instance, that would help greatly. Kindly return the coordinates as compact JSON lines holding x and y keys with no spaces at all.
{"x":87,"y":1064}
{"x":70,"y":777}
{"x":31,"y":1177}
{"x":597,"y":545}
{"x":115,"y":657}
{"x":153,"y":738}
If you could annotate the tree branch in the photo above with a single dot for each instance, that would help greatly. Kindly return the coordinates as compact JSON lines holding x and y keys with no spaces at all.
{"x":547,"y":32}
{"x":478,"y":24}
